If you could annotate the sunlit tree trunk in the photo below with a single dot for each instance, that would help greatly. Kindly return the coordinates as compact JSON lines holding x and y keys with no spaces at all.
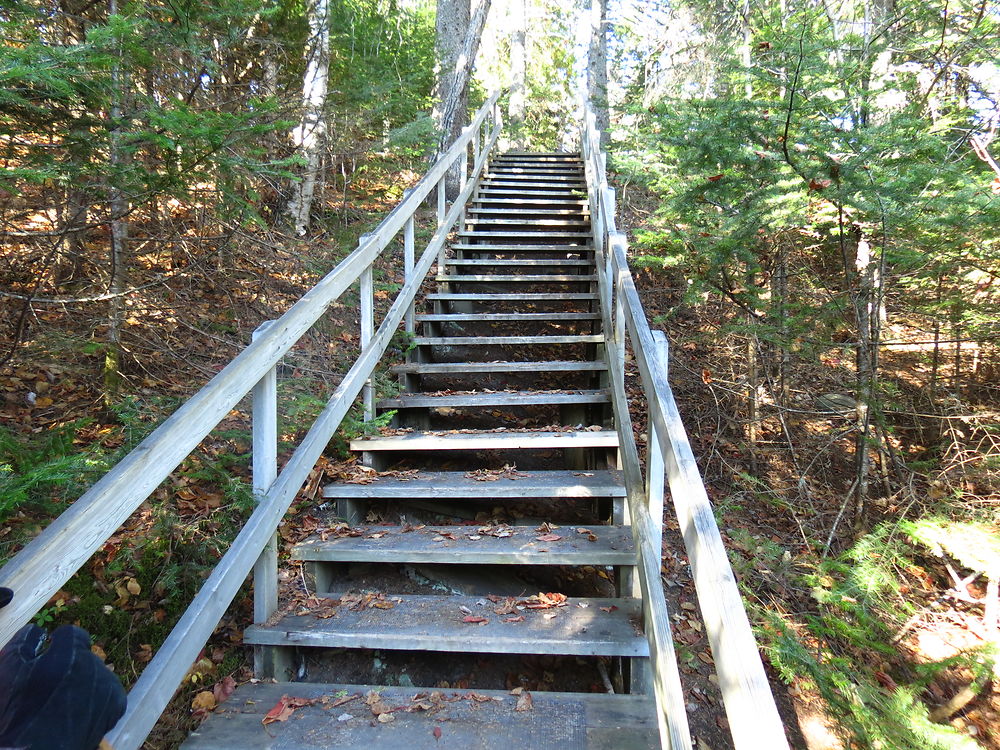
{"x":458,"y":34}
{"x":310,"y":135}
{"x":597,"y":66}
{"x":518,"y":69}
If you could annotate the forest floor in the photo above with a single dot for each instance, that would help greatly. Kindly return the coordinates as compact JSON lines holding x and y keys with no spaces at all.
{"x":60,"y":434}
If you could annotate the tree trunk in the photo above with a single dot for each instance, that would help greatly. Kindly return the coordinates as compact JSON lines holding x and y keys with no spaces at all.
{"x":310,"y":135}
{"x":597,"y":66}
{"x":458,"y":35}
{"x":866,"y":311}
{"x":518,"y":70}
{"x":118,"y":206}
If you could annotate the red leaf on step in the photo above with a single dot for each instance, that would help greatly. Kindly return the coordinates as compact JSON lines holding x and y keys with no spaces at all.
{"x":475,"y":620}
{"x":437,"y":733}
{"x":548,"y":538}
{"x":284,"y":708}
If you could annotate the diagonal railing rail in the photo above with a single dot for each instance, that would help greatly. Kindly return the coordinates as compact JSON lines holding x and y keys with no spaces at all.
{"x":45,"y":564}
{"x":753,"y":717}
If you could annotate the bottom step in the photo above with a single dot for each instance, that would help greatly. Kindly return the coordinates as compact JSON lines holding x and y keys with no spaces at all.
{"x":427,"y":719}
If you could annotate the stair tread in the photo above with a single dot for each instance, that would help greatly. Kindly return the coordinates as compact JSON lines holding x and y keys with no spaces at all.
{"x":531,"y":222}
{"x":450,"y":485}
{"x":583,"y":338}
{"x":510,"y":296}
{"x":495,"y":398}
{"x":468,"y":367}
{"x":514,"y":248}
{"x":583,"y":721}
{"x":436,"y":622}
{"x":521,"y":233}
{"x":519,"y":262}
{"x":541,"y":317}
{"x":510,"y":440}
{"x":465,"y":545}
{"x":522,"y":277}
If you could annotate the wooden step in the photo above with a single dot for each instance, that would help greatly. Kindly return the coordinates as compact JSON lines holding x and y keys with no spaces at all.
{"x":498,"y":211}
{"x":515,"y":248}
{"x":510,"y":297}
{"x":536,"y":185}
{"x":516,"y":176}
{"x":518,"y":262}
{"x":487,"y":441}
{"x":465,"y":545}
{"x":420,"y":622}
{"x":560,"y":278}
{"x":458,"y":719}
{"x":457,"y":485}
{"x":569,"y":223}
{"x":454,"y":368}
{"x":542,"y":340}
{"x":563,"y":195}
{"x":525,"y":236}
{"x":560,"y":202}
{"x":494,"y":398}
{"x":540,"y":317}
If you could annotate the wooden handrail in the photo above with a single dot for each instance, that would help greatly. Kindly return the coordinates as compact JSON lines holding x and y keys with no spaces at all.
{"x":750,"y":707}
{"x":44,"y":565}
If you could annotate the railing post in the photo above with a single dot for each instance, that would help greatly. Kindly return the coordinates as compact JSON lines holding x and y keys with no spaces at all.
{"x":655,"y":468}
{"x":366,"y":302}
{"x":408,"y":263}
{"x":265,"y":470}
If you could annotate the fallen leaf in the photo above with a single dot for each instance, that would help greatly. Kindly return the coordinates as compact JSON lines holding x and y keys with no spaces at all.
{"x":223,"y":689}
{"x":385,"y":718}
{"x":474,"y":620}
{"x":133,"y":587}
{"x":548,"y":538}
{"x":715,"y":177}
{"x":284,"y":708}
{"x":524,"y":702}
{"x":203,"y":701}
{"x":437,"y":733}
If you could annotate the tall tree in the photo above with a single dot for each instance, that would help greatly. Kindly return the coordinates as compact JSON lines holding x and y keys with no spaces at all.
{"x":459,"y":31}
{"x":518,"y":20}
{"x":597,"y":66}
{"x":309,"y":136}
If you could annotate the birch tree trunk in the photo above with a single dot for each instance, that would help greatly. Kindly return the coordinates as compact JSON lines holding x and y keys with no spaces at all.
{"x":597,"y":66}
{"x":518,"y":69}
{"x":310,"y":134}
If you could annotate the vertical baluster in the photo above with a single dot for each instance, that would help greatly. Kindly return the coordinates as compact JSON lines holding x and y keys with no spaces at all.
{"x":265,"y":471}
{"x":408,"y":263}
{"x":367,"y":303}
{"x":654,"y":456}
{"x":441,"y":205}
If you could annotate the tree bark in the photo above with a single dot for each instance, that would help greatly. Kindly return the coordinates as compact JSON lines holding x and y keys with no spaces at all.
{"x":518,"y":70}
{"x":597,"y":67}
{"x":458,"y":34}
{"x":310,"y":135}
{"x":118,"y":206}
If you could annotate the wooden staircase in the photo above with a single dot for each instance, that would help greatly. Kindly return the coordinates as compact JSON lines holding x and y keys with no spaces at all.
{"x":498,"y":481}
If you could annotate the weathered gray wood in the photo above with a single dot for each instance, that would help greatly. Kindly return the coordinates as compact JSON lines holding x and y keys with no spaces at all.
{"x":496,"y":398}
{"x":408,"y":261}
{"x":502,"y":340}
{"x":542,"y":317}
{"x":613,"y":546}
{"x":572,"y":721}
{"x":487,"y":191}
{"x":523,"y":235}
{"x":265,"y":471}
{"x":531,"y":183}
{"x":366,"y":297}
{"x":511,"y":297}
{"x":156,"y":685}
{"x":512,"y":248}
{"x":560,"y":278}
{"x":457,"y":485}
{"x":471,"y":441}
{"x":436,"y":623}
{"x":445,"y":368}
{"x":546,"y":178}
{"x":517,"y":262}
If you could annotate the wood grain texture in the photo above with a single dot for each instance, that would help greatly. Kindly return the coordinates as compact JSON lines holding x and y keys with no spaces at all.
{"x":572,"y":721}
